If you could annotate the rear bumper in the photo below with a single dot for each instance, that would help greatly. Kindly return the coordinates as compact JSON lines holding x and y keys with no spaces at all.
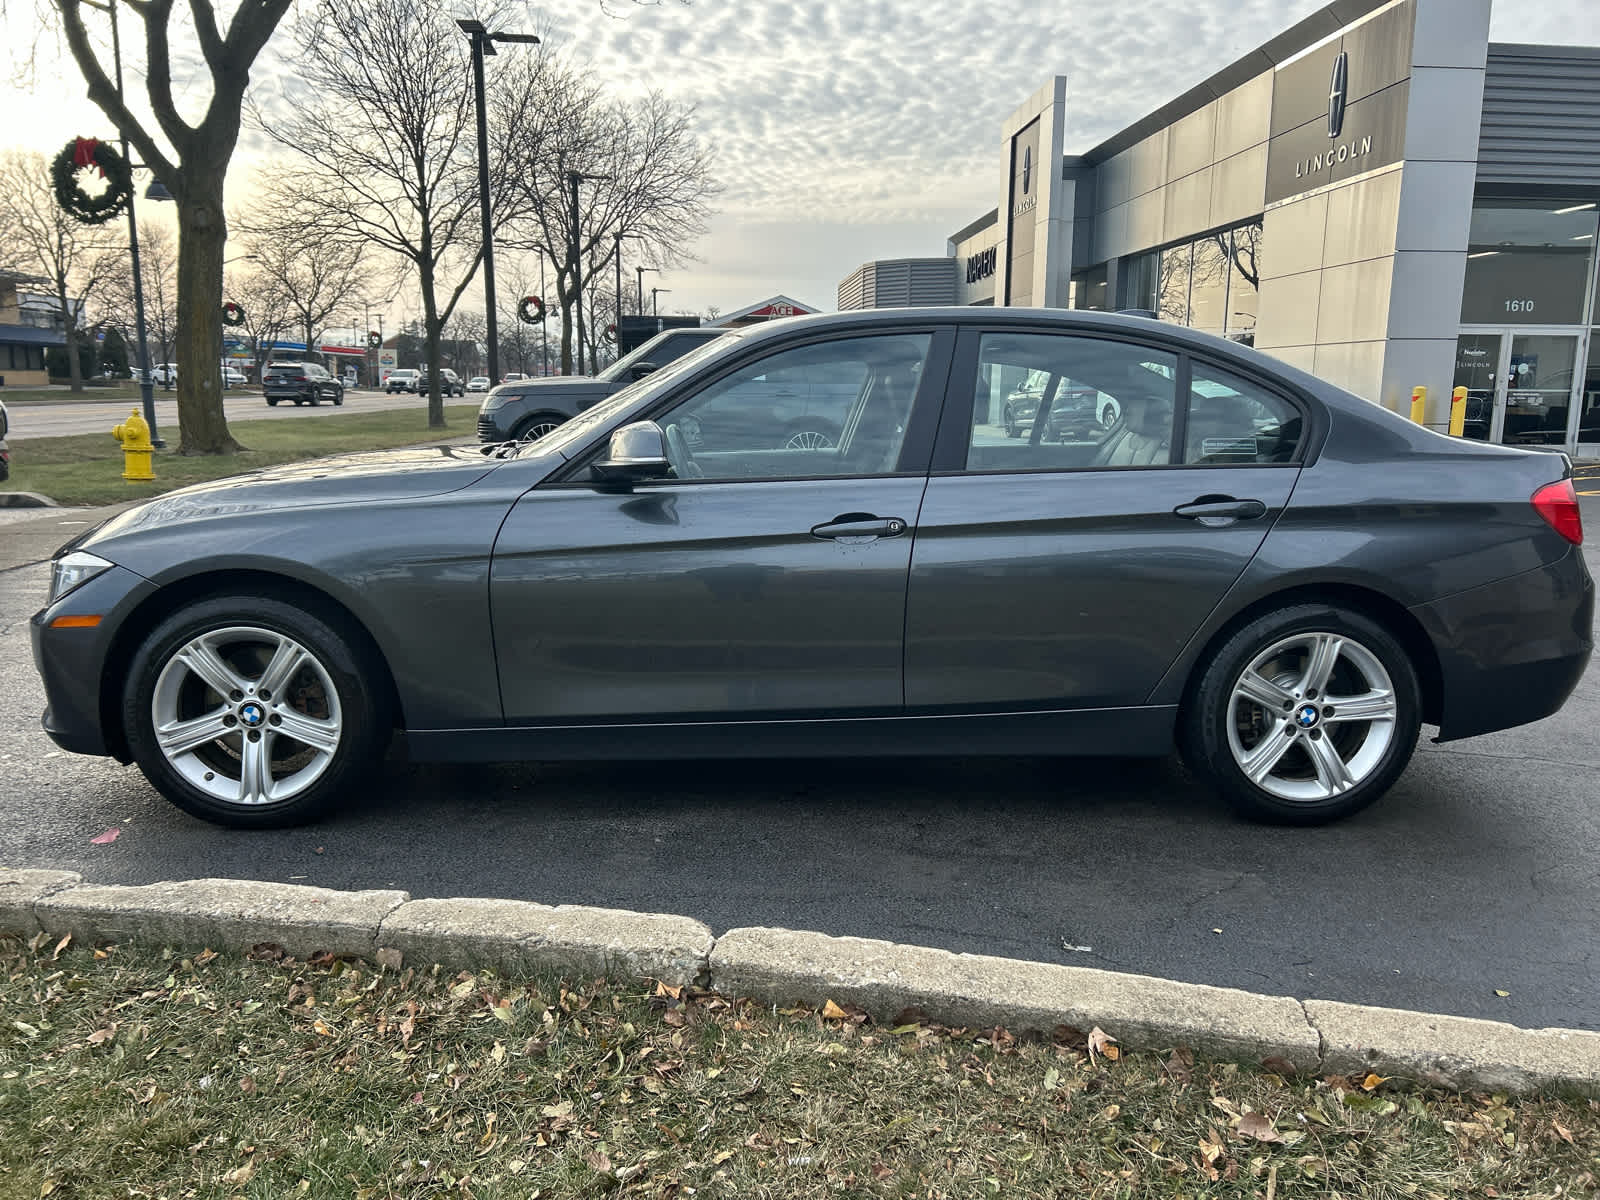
{"x":1512,"y":651}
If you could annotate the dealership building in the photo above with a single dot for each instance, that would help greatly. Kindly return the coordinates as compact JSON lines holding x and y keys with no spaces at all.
{"x":1378,"y":195}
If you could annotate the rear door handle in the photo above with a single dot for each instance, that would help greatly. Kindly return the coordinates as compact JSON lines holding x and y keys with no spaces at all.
{"x":859,"y":526}
{"x":1221,"y":510}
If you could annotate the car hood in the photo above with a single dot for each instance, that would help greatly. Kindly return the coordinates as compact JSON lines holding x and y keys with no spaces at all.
{"x":564,"y":383}
{"x":347,"y":479}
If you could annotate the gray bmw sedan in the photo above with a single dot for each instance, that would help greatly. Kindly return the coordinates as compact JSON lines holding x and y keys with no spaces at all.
{"x":1278,"y":578}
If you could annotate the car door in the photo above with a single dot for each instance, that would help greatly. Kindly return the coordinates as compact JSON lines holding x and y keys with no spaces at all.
{"x":759,"y":582}
{"x":1068,"y":569}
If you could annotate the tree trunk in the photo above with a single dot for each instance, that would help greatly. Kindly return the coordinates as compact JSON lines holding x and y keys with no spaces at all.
{"x":74,"y":367}
{"x":202,"y":235}
{"x":430,"y":325}
{"x":566,"y":335}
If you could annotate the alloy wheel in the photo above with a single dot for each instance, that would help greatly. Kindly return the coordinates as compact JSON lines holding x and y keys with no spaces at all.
{"x":1312,"y":716}
{"x":246,"y":715}
{"x":808,"y":439}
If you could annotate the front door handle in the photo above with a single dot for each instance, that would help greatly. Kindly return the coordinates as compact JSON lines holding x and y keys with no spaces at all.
{"x":859,"y":526}
{"x":1220,"y":510}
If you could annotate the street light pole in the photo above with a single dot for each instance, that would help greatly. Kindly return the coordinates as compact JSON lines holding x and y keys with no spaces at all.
{"x":640,"y":281}
{"x":482,"y":43}
{"x":147,"y":389}
{"x":577,"y":267}
{"x":655,"y":304}
{"x":618,"y":239}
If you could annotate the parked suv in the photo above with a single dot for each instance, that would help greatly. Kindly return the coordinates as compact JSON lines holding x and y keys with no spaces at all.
{"x":304,"y":383}
{"x":401,"y":381}
{"x":531,"y":408}
{"x":449,"y":383}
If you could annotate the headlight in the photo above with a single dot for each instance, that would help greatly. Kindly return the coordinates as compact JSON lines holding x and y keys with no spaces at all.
{"x":494,"y":400}
{"x":74,"y":570}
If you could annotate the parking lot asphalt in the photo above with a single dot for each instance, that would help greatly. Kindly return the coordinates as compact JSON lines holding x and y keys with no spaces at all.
{"x":1478,"y":875}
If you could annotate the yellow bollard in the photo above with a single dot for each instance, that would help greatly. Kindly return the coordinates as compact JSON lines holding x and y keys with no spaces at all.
{"x":1458,"y":412}
{"x":134,"y":437}
{"x":1419,"y":403}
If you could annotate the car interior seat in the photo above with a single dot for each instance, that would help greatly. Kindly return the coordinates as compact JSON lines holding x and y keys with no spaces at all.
{"x":1141,"y":437}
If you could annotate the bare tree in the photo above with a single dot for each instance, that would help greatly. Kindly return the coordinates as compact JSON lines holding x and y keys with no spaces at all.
{"x":267,"y":313}
{"x":45,"y":240}
{"x":388,"y":148}
{"x":646,"y":177}
{"x":192,"y":161}
{"x":313,"y":273}
{"x":158,"y":267}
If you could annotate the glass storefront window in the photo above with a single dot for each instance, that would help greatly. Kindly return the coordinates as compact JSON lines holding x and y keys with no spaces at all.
{"x":1172,"y":285}
{"x":1529,"y":263}
{"x":1589,"y":398}
{"x":1244,"y":282}
{"x":1139,"y":281}
{"x":1208,"y":283}
{"x":1089,"y":289}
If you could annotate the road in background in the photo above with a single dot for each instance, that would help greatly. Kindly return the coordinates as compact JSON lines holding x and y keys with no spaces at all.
{"x":58,"y":418}
{"x":1477,"y":875}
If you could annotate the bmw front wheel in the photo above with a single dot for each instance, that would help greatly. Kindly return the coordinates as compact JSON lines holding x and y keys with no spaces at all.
{"x":252,"y":712}
{"x":1305,"y":715}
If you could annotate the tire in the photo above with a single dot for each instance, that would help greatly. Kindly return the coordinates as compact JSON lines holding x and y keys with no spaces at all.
{"x":316,"y":399}
{"x":806,"y":435}
{"x":1012,"y":428}
{"x":272,"y":402}
{"x":338,"y":398}
{"x":1256,"y":725}
{"x":1108,"y":417}
{"x":332,"y":696}
{"x":536,"y":426}
{"x":298,"y":401}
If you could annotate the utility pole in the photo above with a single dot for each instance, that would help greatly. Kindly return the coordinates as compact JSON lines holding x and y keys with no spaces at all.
{"x":577,"y":268}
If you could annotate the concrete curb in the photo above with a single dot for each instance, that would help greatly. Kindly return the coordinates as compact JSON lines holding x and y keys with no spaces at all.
{"x":780,"y":966}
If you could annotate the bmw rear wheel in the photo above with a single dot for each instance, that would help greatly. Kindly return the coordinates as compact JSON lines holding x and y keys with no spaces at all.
{"x":251,"y":712}
{"x":1306,"y":715}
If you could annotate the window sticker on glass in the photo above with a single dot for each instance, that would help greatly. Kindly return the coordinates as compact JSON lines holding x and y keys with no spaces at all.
{"x":1218,"y":446}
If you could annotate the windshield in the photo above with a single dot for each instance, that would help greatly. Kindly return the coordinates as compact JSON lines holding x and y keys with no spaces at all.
{"x":567,"y":435}
{"x":619,"y":369}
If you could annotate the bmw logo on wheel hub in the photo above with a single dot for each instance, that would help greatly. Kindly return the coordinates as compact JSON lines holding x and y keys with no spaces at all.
{"x":250,"y":715}
{"x":1306,"y":717}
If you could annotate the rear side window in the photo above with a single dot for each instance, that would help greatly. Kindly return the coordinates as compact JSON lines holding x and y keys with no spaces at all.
{"x":1057,"y":402}
{"x":674,"y":348}
{"x":1233,"y":421}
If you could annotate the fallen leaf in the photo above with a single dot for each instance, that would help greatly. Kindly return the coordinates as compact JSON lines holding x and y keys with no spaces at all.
{"x":1180,"y":1065}
{"x":1051,"y":1078}
{"x":1111,"y":1112}
{"x":1278,"y":1065}
{"x":1211,"y":1148}
{"x":241,"y":1174}
{"x":1563,"y":1133}
{"x":1101,"y":1042}
{"x":321,"y":1027}
{"x":106,"y":838}
{"x":502,"y":1012}
{"x":1372,"y":1082}
{"x":832,"y":1012}
{"x":204,"y":957}
{"x":102,"y":1035}
{"x":60,"y":946}
{"x":389,"y":959}
{"x":663,"y":989}
{"x":1254,"y":1125}
{"x":45,"y":1188}
{"x":1498,"y":992}
{"x":722,"y":1156}
{"x":555,"y":1111}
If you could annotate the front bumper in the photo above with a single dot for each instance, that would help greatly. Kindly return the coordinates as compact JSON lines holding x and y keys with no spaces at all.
{"x":1512,"y":651}
{"x":72,"y":662}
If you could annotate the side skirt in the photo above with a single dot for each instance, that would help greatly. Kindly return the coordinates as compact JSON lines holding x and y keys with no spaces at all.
{"x":1107,"y":732}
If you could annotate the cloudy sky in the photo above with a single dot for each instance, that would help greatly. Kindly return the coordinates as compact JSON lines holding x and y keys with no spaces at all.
{"x":843,"y":130}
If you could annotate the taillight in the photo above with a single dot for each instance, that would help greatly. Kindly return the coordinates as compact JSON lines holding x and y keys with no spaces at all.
{"x":1557,"y":503}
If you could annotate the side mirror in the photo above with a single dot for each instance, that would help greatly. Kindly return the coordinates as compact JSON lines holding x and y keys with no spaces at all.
{"x":637,"y":452}
{"x":640,"y":369}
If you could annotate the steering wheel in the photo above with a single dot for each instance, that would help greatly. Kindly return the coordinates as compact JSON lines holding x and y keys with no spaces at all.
{"x":683,"y":464}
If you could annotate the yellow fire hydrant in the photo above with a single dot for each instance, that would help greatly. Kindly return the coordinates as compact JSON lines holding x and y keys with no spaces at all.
{"x":134,"y":435}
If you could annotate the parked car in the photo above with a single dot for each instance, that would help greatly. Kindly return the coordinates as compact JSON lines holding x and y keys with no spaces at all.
{"x":404,"y":380}
{"x":478,"y":383}
{"x":450,"y":384}
{"x":232,"y":377}
{"x":5,"y":451}
{"x":1279,"y":577}
{"x":531,"y":408}
{"x":302,"y":382}
{"x":513,"y":377}
{"x":1074,"y":412}
{"x":165,"y":374}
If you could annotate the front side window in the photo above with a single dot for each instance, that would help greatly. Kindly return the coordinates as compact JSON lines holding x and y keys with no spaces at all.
{"x":1056,"y":402}
{"x":1233,"y":421}
{"x":834,"y":408}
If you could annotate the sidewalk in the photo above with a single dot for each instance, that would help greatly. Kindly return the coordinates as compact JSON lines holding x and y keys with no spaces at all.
{"x":31,"y":535}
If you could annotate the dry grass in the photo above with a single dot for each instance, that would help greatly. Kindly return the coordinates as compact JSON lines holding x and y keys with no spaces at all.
{"x":137,"y":1073}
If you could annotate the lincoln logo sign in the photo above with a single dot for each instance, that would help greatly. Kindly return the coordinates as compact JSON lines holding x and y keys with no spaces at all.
{"x":1338,"y":92}
{"x":1027,"y":168}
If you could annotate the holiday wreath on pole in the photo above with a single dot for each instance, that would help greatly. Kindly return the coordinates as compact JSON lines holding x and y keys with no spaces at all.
{"x":531,"y":310}
{"x":232,"y":314}
{"x":114,"y":169}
